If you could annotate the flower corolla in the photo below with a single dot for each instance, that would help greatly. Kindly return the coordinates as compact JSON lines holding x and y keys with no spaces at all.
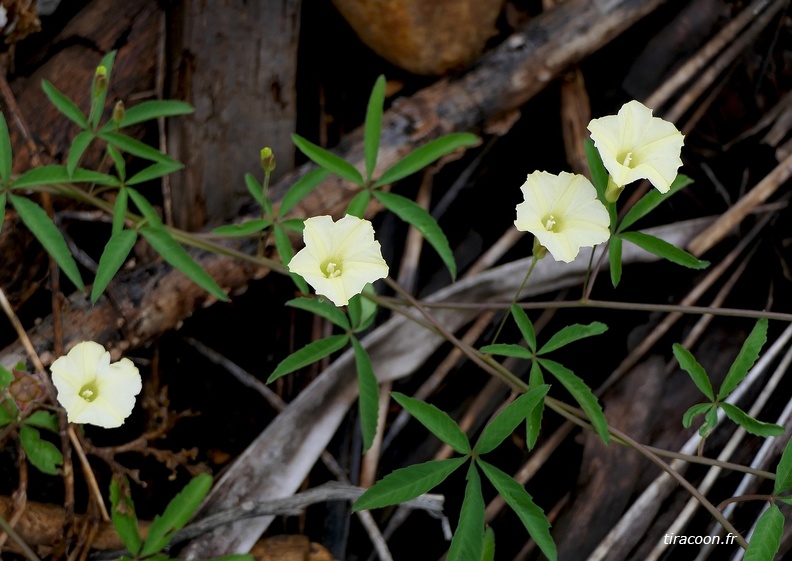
{"x":563,"y":212}
{"x":339,"y":258}
{"x":635,"y":145}
{"x":91,"y":389}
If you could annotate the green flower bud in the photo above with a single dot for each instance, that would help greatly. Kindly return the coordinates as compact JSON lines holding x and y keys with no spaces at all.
{"x":100,"y":81}
{"x":267,"y":160}
{"x":118,"y":113}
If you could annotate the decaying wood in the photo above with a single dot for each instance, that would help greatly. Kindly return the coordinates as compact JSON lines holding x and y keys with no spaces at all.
{"x":280,"y":458}
{"x":236,"y":62}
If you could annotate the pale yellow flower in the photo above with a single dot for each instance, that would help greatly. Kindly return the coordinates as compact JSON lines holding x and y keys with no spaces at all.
{"x":634,"y":145}
{"x":339,"y":258}
{"x":92,"y":390}
{"x":563,"y":212}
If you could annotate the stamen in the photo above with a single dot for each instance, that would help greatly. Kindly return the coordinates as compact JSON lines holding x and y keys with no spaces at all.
{"x":89,"y":392}
{"x":550,"y":223}
{"x":332,"y":270}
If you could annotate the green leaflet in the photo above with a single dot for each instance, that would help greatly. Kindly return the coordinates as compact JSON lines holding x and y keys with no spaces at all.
{"x":373,"y":126}
{"x":407,"y":483}
{"x":783,"y":480}
{"x":41,"y":453}
{"x":468,"y":541}
{"x":309,"y":354}
{"x":525,"y":325}
{"x":599,"y":174}
{"x":37,"y":221}
{"x":328,"y":160}
{"x":413,"y":214}
{"x":123,"y":515}
{"x":368,"y":400}
{"x":115,"y":253}
{"x":615,"y":259}
{"x":64,"y":104}
{"x":663,"y":249}
{"x":746,"y":358}
{"x":766,"y":539}
{"x":697,"y":373}
{"x":301,"y":189}
{"x":438,"y":422}
{"x":425,"y":155}
{"x":508,"y":419}
{"x":572,"y":333}
{"x":321,"y":308}
{"x":750,"y":424}
{"x":650,"y":201}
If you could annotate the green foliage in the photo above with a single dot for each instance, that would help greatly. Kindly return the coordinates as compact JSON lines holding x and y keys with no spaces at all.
{"x":663,"y":249}
{"x":534,"y":420}
{"x":48,"y":175}
{"x":309,"y":354}
{"x":149,"y":110}
{"x":468,"y":541}
{"x":63,"y":104}
{"x":286,"y":252}
{"x":98,"y":101}
{"x":41,"y":453}
{"x":425,"y":155}
{"x":438,"y":422}
{"x":750,"y":424}
{"x":488,"y":551}
{"x":599,"y":174}
{"x":368,"y":402}
{"x":746,"y":358}
{"x":582,"y":394}
{"x":407,"y":483}
{"x":525,"y":325}
{"x":115,"y":253}
{"x":362,"y":311}
{"x":413,"y":214}
{"x":176,"y":515}
{"x":43,"y":420}
{"x":136,"y":148}
{"x":123,"y":516}
{"x":521,"y":502}
{"x":694,"y":411}
{"x":697,"y":373}
{"x":244,"y":229}
{"x":373,"y":126}
{"x":254,"y":188}
{"x":40,"y":225}
{"x":357,"y":206}
{"x":5,"y":152}
{"x":783,"y":480}
{"x":119,"y":210}
{"x":301,"y":189}
{"x":154,"y":171}
{"x":507,"y":349}
{"x":572,"y":333}
{"x":508,"y":419}
{"x":766,"y":539}
{"x":321,"y":308}
{"x":5,"y":415}
{"x":328,"y":160}
{"x":78,"y":147}
{"x":651,"y":200}
{"x":118,"y":161}
{"x":615,"y":259}
{"x":6,"y":377}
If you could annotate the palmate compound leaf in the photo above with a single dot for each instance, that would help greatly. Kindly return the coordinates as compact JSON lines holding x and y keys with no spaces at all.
{"x":41,"y":453}
{"x":309,"y":354}
{"x":123,"y":516}
{"x":783,"y":480}
{"x":754,"y":426}
{"x":407,"y":483}
{"x":416,"y":216}
{"x":746,"y":358}
{"x":582,"y":394}
{"x":508,"y":419}
{"x":328,"y":160}
{"x":468,"y":541}
{"x":572,"y":333}
{"x":37,"y":221}
{"x":532,"y":517}
{"x":766,"y":539}
{"x":368,"y":397}
{"x":177,"y":514}
{"x":438,"y":422}
{"x":697,"y":373}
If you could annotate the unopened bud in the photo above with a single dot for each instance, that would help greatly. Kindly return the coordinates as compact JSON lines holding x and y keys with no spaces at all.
{"x":100,"y":81}
{"x":267,"y":160}
{"x":118,"y":113}
{"x":539,"y":251}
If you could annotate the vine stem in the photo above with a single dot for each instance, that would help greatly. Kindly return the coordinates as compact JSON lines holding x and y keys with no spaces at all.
{"x":534,"y":261}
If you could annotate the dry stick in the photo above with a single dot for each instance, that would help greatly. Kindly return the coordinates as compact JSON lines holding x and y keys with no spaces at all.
{"x":277,"y":403}
{"x":8,"y":529}
{"x":694,"y":65}
{"x":736,"y":46}
{"x":159,"y":87}
{"x":729,"y":219}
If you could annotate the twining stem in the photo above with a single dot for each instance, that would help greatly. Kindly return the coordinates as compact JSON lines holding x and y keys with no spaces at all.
{"x":744,"y":499}
{"x":534,"y":260}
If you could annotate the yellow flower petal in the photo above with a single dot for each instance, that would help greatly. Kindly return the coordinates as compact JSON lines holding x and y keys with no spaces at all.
{"x":563,"y":212}
{"x":339,"y":258}
{"x":635,"y":145}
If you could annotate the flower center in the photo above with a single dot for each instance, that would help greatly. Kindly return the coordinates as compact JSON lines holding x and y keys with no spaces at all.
{"x":551,"y":223}
{"x":331,"y":269}
{"x":625,"y":159}
{"x":89,"y":391}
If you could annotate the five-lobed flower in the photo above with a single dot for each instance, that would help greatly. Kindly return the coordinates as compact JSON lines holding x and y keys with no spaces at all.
{"x":91,"y":389}
{"x":339,"y":258}
{"x":563,"y":212}
{"x":635,"y":145}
